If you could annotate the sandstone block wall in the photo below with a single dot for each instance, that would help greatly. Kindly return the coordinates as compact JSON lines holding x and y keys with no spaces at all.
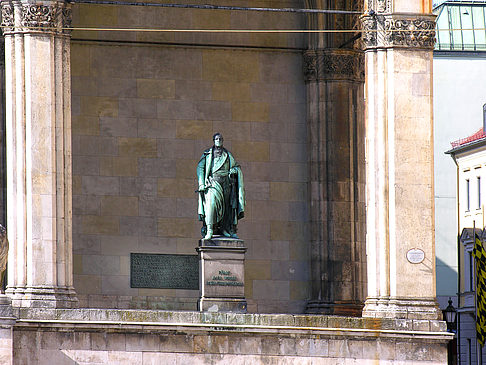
{"x":145,"y":106}
{"x":158,"y":337}
{"x":182,"y":348}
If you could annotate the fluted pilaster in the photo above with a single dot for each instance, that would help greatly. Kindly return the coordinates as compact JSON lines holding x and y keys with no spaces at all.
{"x":38,"y":129}
{"x":398,"y":39}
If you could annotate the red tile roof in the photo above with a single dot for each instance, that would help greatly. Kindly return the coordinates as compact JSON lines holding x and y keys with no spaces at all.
{"x":472,"y":138}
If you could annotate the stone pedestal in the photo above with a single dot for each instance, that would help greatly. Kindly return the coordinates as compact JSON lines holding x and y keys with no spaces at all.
{"x":7,"y":320}
{"x":222,"y":275}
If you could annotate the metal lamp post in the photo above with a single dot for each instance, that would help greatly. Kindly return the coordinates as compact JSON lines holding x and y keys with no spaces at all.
{"x":450,"y":314}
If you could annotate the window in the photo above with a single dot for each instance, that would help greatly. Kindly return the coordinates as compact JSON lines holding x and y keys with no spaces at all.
{"x":468,"y":271}
{"x":471,"y":272}
{"x":479,"y":192}
{"x":468,"y":205}
{"x":484,"y":117}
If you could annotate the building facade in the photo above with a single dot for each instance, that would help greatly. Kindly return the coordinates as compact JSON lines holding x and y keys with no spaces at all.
{"x":469,"y":154}
{"x":108,"y":108}
{"x":459,"y":59}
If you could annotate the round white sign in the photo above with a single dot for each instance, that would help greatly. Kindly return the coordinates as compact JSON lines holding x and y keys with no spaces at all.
{"x":415,"y":255}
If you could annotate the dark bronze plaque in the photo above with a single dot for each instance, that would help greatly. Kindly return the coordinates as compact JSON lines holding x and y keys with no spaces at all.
{"x":157,"y":271}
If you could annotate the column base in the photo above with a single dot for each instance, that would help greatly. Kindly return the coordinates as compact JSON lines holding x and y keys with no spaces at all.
{"x":402,"y":308}
{"x":235,"y":305}
{"x":6,"y":310}
{"x":7,"y":321}
{"x":350,"y":309}
{"x":42,"y":297}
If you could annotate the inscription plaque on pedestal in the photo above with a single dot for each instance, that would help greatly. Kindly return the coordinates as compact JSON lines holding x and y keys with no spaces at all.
{"x":157,"y":271}
{"x":222,"y":275}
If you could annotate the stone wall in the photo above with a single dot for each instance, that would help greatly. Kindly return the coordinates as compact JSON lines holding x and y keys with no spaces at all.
{"x":156,"y":337}
{"x":145,"y":106}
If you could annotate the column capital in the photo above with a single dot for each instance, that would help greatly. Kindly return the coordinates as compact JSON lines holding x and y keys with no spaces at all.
{"x":47,"y":17}
{"x":380,"y":6}
{"x":333,"y":64}
{"x":414,"y":31}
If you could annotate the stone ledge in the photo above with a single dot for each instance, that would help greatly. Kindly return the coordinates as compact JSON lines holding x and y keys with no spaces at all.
{"x":148,"y":337}
{"x":149,"y":321}
{"x":222,"y":242}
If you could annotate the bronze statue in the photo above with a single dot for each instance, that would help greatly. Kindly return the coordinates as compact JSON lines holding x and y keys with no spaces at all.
{"x":3,"y":254}
{"x":221,"y":191}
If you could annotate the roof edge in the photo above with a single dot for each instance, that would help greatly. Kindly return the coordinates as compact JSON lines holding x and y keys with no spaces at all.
{"x":466,"y":147}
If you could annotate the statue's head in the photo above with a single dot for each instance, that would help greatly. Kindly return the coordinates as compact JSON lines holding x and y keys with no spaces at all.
{"x":218,"y":140}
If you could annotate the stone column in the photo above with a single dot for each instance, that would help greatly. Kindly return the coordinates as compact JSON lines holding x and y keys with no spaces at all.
{"x":38,"y":130}
{"x":3,"y":175}
{"x":398,"y":39}
{"x":336,"y":134}
{"x":334,"y":73}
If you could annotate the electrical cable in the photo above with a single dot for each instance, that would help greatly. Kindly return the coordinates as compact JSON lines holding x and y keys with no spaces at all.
{"x":215,"y":7}
{"x":230,"y":30}
{"x":216,"y":30}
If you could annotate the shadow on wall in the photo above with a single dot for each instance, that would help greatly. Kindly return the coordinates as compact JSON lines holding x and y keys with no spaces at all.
{"x":446,"y":283}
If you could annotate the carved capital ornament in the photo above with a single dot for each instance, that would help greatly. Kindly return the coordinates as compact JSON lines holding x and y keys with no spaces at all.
{"x":7,"y":18}
{"x":398,"y":31}
{"x":38,"y":16}
{"x":380,"y":6}
{"x":333,"y":65}
{"x":52,"y":17}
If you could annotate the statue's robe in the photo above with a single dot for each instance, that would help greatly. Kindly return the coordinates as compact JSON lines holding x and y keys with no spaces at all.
{"x":3,"y":254}
{"x":228,"y":205}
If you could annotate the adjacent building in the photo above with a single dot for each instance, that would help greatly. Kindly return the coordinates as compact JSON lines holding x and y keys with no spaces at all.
{"x":459,"y":95}
{"x":469,"y":155}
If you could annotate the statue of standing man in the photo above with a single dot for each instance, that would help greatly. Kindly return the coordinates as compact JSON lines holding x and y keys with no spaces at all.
{"x":221,"y":191}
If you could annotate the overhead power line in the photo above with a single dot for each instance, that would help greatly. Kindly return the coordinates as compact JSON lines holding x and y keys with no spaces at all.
{"x":218,"y":30}
{"x":236,"y":30}
{"x":215,"y":7}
